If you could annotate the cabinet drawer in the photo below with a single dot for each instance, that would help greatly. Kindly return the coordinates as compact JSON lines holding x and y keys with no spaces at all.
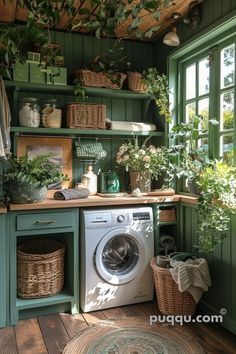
{"x":44,"y":221}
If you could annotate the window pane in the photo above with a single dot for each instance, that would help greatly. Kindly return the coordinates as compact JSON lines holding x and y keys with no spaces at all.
{"x":227,"y":66}
{"x":203,"y":77}
{"x":227,"y":110}
{"x":203,"y":144}
{"x":227,"y":150}
{"x":190,"y":111}
{"x":191,"y":82}
{"x":203,"y":110}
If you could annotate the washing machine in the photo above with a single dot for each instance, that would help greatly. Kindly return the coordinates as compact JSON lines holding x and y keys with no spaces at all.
{"x":116,"y":246}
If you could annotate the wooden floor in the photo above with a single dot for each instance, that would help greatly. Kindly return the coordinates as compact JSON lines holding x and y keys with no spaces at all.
{"x":49,"y":334}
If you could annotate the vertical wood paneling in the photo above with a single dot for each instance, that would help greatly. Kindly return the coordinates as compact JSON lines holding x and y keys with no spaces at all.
{"x":222,"y":264}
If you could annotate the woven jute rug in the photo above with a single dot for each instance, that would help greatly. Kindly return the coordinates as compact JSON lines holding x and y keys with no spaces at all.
{"x":132,"y":336}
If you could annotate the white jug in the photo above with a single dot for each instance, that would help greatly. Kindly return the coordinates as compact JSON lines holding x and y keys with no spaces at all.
{"x":89,"y":180}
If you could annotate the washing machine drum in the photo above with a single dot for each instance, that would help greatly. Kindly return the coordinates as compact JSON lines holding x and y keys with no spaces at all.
{"x":120,"y":256}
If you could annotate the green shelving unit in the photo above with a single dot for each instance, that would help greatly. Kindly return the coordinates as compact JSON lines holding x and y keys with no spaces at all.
{"x":69,"y":90}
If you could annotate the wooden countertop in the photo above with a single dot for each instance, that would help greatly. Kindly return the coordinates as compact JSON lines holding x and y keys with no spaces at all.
{"x":95,"y":201}
{"x":3,"y":210}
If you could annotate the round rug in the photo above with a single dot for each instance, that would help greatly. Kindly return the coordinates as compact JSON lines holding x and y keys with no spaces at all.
{"x":132,"y":336}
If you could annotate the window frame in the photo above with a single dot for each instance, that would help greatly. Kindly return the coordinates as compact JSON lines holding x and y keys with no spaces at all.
{"x":207,"y":42}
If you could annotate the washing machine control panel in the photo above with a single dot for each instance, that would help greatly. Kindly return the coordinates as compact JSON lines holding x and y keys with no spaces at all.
{"x":141,"y":216}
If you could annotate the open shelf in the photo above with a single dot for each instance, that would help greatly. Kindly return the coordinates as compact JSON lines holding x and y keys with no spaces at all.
{"x":69,"y":90}
{"x":79,"y":132}
{"x":168,"y":223}
{"x":63,"y":297}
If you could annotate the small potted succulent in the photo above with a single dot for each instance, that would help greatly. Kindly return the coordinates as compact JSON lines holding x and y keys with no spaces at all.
{"x":26,"y":180}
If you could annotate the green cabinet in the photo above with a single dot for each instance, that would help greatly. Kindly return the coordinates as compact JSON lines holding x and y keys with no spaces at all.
{"x":4,"y":273}
{"x":222,"y":266}
{"x":61,"y":225}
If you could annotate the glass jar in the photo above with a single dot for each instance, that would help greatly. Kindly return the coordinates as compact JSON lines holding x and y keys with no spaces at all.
{"x":29,"y":115}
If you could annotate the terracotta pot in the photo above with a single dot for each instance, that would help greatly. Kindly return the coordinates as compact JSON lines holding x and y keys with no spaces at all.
{"x":141,"y":180}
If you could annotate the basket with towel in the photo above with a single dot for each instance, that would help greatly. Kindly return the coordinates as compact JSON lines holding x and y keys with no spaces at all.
{"x":178,"y":289}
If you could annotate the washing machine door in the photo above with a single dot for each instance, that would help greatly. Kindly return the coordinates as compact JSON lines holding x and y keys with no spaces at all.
{"x":120,"y":256}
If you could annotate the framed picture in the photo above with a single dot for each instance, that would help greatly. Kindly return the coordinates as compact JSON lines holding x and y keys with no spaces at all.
{"x":60,"y":147}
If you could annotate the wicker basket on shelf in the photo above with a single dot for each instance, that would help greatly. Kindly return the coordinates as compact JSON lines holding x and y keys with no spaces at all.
{"x":40,"y":268}
{"x":167,"y":215}
{"x":86,"y":115}
{"x":135,"y":82}
{"x":100,"y":79}
{"x":170,"y":300}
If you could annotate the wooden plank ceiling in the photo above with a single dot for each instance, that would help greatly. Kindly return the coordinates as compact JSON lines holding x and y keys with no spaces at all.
{"x":11,"y":11}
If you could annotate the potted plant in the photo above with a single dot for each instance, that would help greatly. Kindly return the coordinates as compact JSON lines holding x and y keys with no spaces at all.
{"x":26,"y":180}
{"x":194,"y":159}
{"x":143,"y":163}
{"x":154,"y":83}
{"x":107,"y":69}
{"x":217,"y":188}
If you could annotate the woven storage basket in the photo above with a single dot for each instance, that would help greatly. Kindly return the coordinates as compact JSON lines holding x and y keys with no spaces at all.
{"x":167,"y":215}
{"x":100,"y":79}
{"x":135,"y":82}
{"x":40,"y":268}
{"x":86,"y":115}
{"x":170,"y":300}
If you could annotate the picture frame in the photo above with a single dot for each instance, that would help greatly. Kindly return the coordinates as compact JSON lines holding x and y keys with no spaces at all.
{"x":60,"y":146}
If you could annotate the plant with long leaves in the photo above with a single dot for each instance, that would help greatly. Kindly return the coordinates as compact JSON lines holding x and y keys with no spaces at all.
{"x":157,"y":86}
{"x":217,"y":186}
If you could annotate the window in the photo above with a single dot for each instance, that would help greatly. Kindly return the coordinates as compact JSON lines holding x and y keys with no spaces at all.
{"x":207,"y":87}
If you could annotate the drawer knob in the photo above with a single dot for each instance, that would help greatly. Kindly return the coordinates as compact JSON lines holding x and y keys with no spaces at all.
{"x":45,"y":221}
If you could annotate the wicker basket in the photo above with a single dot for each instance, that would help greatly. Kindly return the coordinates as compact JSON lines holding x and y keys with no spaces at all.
{"x":135,"y":82}
{"x":86,"y":115}
{"x":170,"y":300}
{"x":100,"y":79}
{"x":167,"y":215}
{"x":40,"y":268}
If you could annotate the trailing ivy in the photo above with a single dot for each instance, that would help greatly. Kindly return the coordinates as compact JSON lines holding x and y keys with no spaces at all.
{"x":217,"y":186}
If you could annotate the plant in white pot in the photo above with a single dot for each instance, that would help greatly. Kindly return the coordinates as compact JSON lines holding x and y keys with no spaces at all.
{"x":26,"y":180}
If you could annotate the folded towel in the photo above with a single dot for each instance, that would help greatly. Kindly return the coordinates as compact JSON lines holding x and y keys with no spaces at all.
{"x":192,"y":276}
{"x":73,"y":193}
{"x":132,"y":126}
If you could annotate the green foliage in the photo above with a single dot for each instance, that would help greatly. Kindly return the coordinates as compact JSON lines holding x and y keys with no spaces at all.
{"x":157,"y":86}
{"x":109,"y":15}
{"x":217,"y":185}
{"x":39,"y":171}
{"x":113,"y":61}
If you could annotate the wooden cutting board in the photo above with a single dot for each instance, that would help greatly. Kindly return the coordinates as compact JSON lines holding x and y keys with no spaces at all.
{"x":168,"y":191}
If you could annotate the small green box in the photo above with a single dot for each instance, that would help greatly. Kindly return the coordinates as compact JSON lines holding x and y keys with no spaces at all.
{"x":36,"y":75}
{"x":60,"y":77}
{"x":21,"y":72}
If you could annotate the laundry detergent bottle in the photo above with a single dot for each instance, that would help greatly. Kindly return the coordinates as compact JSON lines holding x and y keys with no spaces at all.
{"x":89,"y":180}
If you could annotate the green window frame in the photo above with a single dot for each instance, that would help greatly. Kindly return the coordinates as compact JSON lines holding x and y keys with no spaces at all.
{"x":187,"y":83}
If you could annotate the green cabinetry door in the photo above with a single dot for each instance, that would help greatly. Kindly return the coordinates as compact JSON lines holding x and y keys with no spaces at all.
{"x":4,"y":279}
{"x":61,"y":225}
{"x":222,"y":266}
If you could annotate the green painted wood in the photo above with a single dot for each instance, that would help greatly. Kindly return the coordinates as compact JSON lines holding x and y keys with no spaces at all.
{"x":44,"y":220}
{"x":4,"y":275}
{"x":222,"y":265}
{"x":68,"y":299}
{"x":69,"y":89}
{"x":77,"y":132}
